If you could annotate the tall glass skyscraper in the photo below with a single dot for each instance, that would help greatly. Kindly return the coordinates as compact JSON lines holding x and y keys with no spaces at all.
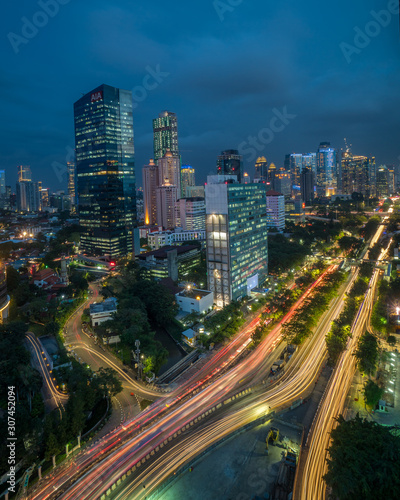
{"x":237,"y":237}
{"x":165,"y":134}
{"x":326,"y":170}
{"x":105,"y":170}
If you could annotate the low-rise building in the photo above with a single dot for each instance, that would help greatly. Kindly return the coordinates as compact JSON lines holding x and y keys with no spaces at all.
{"x":173,"y":262}
{"x":189,"y":336}
{"x":103,"y":311}
{"x":158,"y":239}
{"x":194,"y":300}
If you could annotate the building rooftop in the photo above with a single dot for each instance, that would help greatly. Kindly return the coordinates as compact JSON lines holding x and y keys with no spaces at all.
{"x":194,"y":293}
{"x":271,"y":192}
{"x":161,"y":253}
{"x":108,"y":305}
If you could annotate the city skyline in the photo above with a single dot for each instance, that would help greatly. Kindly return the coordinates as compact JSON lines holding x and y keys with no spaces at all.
{"x":199,"y":84}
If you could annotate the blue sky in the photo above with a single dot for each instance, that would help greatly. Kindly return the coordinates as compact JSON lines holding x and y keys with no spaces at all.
{"x":225,"y":67}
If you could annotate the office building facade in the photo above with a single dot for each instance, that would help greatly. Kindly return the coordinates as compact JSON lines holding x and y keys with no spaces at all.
{"x":150,"y":185}
{"x":192,"y":214}
{"x":28,"y":196}
{"x":357,"y":174}
{"x":275,"y":202}
{"x":71,"y":167}
{"x":24,"y":173}
{"x":230,"y":162}
{"x":261,"y":168}
{"x":166,"y":196}
{"x":237,"y":237}
{"x":307,"y":186}
{"x":165,"y":134}
{"x":326,"y":170}
{"x":105,"y":171}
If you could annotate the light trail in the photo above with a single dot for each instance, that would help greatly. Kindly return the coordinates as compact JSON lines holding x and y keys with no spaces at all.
{"x":312,"y":486}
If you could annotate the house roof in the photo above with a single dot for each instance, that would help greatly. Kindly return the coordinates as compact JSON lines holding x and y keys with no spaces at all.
{"x":44,"y":275}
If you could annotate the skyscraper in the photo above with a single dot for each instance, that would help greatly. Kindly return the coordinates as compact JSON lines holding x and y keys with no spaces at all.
{"x":165,"y":134}
{"x":71,"y":166}
{"x":307,"y":186}
{"x":326,"y":170}
{"x":28,"y":196}
{"x":275,"y":210}
{"x":187,"y":179}
{"x":150,"y":185}
{"x":230,"y":162}
{"x":261,"y":167}
{"x":105,"y":171}
{"x":2,"y":188}
{"x":24,"y":173}
{"x":166,"y":196}
{"x":169,"y":170}
{"x":237,"y":239}
{"x":382,"y":182}
{"x":294,"y":163}
{"x":192,"y":214}
{"x":357,"y":174}
{"x":310,"y":161}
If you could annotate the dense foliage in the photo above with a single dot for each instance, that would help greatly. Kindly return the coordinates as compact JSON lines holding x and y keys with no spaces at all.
{"x":367,"y":353}
{"x":363,"y":461}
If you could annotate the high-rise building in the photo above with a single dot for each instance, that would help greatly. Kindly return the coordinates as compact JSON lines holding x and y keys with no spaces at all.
{"x":230,"y":162}
{"x":2,"y":188}
{"x":24,"y":173}
{"x":382,"y":182}
{"x":165,"y":134}
{"x":237,"y":239}
{"x":307,"y":186}
{"x":357,"y":174}
{"x":150,"y":185}
{"x":187,"y":179}
{"x":392,"y":180}
{"x":71,"y":167}
{"x":326,"y":170}
{"x":44,"y":197}
{"x":28,"y":197}
{"x":105,"y":171}
{"x":294,"y":164}
{"x":166,"y":196}
{"x":169,"y":171}
{"x":192,"y":213}
{"x":275,"y":210}
{"x":261,"y":167}
{"x":281,"y":182}
{"x":310,"y":161}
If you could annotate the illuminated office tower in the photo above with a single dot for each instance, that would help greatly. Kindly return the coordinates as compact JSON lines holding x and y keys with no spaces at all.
{"x":71,"y":167}
{"x":310,"y":161}
{"x":24,"y":173}
{"x":275,"y":210}
{"x":357,"y":174}
{"x":105,"y":171}
{"x":261,"y":167}
{"x":150,"y":185}
{"x":294,"y":164}
{"x":28,"y":196}
{"x":166,"y":196}
{"x":382,"y":182}
{"x":165,"y":134}
{"x":326,"y":170}
{"x":237,"y":238}
{"x":230,"y":162}
{"x":187,"y":179}
{"x":281,"y":182}
{"x":2,"y":188}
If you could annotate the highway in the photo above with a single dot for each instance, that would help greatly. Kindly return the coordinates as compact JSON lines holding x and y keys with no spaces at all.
{"x":50,"y":389}
{"x":312,"y":485}
{"x":105,"y":472}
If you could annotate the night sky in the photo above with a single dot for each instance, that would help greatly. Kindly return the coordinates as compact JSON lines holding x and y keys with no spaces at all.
{"x":226,"y":68}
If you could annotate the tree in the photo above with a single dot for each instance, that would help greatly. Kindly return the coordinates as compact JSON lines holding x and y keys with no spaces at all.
{"x":108,"y":381}
{"x":391,"y":340}
{"x":372,"y":394}
{"x":363,"y":461}
{"x":367,"y":353}
{"x":366,"y":269}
